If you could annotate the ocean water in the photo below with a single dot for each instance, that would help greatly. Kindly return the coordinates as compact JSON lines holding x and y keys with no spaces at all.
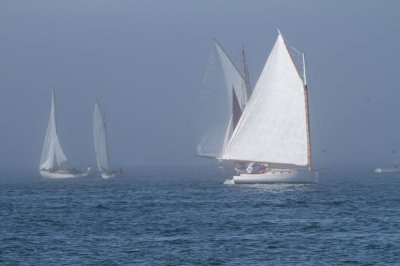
{"x":185,"y":215}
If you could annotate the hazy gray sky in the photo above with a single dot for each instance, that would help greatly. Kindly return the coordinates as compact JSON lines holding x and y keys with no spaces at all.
{"x":145,"y":60}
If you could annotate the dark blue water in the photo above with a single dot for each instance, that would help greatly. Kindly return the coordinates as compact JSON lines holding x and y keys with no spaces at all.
{"x":186,"y":216}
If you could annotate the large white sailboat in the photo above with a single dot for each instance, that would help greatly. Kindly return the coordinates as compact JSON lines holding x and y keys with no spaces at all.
{"x":271,"y":142}
{"x":54,"y":163}
{"x":101,"y":143}
{"x":223,"y":96}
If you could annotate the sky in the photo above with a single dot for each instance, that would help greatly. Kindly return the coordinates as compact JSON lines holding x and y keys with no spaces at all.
{"x":144,"y":61}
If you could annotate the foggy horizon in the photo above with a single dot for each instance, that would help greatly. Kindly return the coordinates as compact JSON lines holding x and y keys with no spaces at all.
{"x":144,"y":61}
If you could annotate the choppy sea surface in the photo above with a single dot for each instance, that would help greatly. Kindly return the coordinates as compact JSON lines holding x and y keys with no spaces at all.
{"x":185,"y":215}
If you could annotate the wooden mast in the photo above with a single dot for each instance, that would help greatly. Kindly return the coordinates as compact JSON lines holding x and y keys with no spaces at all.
{"x":307,"y":116}
{"x":246,"y":74}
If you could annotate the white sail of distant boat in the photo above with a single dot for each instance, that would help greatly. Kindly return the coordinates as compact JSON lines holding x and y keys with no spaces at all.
{"x":273,"y":133}
{"x":223,"y":96}
{"x":101,"y":143}
{"x":394,"y":169}
{"x":54,"y":163}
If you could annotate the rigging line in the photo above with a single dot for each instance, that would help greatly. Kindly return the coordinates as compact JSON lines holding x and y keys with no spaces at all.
{"x":297,"y":51}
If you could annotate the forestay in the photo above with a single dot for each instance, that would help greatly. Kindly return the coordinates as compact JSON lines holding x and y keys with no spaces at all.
{"x":53,"y":157}
{"x":100,"y":138}
{"x":215,"y":104}
{"x":273,"y":127}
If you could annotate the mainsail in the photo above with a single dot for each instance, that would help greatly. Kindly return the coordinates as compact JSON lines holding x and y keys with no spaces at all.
{"x":274,"y":125}
{"x":215,"y":116}
{"x":53,"y":157}
{"x":100,"y":138}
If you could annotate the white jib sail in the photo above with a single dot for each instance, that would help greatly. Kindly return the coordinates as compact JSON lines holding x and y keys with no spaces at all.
{"x":215,"y":102}
{"x":100,"y":138}
{"x":273,"y":126}
{"x":53,"y":157}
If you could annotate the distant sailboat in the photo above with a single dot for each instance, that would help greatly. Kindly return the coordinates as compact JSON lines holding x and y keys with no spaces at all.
{"x":53,"y":163}
{"x":394,"y":169}
{"x":223,"y":97}
{"x":101,"y":144}
{"x":271,"y":143}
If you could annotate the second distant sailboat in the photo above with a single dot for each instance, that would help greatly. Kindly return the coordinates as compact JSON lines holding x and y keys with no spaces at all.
{"x":101,"y":143}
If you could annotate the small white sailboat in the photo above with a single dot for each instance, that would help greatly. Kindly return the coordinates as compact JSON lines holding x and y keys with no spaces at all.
{"x":54,"y":163}
{"x":394,"y":169}
{"x":271,"y":142}
{"x":101,"y":143}
{"x":223,"y":96}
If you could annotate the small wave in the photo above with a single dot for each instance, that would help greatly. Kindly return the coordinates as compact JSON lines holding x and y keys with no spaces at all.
{"x":229,"y":182}
{"x":51,"y":222}
{"x":101,"y":206}
{"x":113,"y":207}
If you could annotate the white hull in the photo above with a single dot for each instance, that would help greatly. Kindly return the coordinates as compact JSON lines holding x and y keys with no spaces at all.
{"x":61,"y":174}
{"x":111,"y":175}
{"x":276,"y":176}
{"x":387,"y":170}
